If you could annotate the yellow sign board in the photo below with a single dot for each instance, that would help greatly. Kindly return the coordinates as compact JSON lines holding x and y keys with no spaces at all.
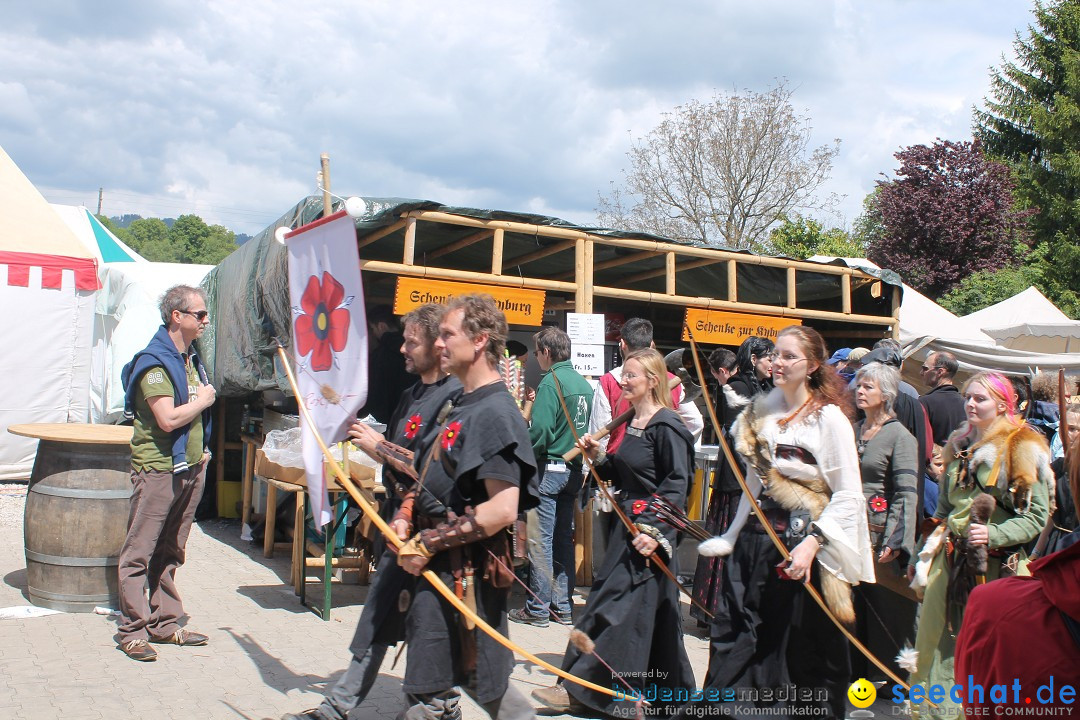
{"x":521,"y":306}
{"x":719,"y":327}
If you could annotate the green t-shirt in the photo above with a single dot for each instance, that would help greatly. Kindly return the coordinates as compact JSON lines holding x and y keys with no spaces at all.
{"x":151,"y":447}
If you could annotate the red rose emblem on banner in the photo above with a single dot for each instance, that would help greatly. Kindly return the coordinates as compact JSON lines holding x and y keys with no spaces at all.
{"x":412,"y":426}
{"x":323,"y":327}
{"x":638,"y":507}
{"x":879,"y":504}
{"x":450,"y":434}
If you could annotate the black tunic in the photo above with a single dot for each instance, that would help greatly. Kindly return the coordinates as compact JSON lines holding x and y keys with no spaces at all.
{"x":381,"y":620}
{"x":633,"y":611}
{"x":484,"y":437}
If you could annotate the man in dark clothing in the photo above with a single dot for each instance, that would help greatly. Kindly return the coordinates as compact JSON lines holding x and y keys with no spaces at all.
{"x":387,"y":376}
{"x":943,"y":402}
{"x":481,"y":475}
{"x":382,"y":620}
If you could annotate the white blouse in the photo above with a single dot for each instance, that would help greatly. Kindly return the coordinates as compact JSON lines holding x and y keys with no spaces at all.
{"x":826,"y":434}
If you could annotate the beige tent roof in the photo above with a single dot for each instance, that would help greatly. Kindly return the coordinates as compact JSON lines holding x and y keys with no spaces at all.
{"x":29,"y":224}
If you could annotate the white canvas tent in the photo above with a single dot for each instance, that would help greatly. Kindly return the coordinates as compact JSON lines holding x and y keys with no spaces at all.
{"x":95,"y":237}
{"x":48,"y":280}
{"x":926,"y":327}
{"x":1028,"y":321}
{"x":126,"y":316}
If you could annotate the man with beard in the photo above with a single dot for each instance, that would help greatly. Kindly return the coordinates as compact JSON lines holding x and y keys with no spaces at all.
{"x":382,"y":621}
{"x":476,"y":475}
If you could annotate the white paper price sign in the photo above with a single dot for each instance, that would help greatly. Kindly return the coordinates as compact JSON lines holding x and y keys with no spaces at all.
{"x":585,"y":328}
{"x":588,"y":359}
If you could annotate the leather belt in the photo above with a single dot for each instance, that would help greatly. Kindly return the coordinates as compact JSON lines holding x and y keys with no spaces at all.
{"x":793,"y":452}
{"x":875,"y":528}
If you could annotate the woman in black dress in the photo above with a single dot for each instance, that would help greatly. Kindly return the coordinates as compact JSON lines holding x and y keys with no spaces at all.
{"x":632,"y":614}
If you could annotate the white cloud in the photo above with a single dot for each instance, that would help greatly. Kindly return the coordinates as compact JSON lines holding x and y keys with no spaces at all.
{"x":518,"y":106}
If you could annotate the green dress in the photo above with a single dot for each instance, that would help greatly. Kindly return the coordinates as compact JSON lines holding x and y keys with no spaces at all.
{"x":1008,"y":527}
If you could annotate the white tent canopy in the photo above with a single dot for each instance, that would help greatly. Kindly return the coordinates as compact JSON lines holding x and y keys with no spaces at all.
{"x":95,"y":237}
{"x":1028,"y":321}
{"x":927,"y":327}
{"x":47,"y":284}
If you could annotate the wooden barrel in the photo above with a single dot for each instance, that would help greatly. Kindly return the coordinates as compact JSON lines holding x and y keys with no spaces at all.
{"x":75,"y":523}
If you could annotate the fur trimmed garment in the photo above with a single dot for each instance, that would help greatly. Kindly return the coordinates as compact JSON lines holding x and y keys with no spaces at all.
{"x":769,"y":632}
{"x":1013,"y":465}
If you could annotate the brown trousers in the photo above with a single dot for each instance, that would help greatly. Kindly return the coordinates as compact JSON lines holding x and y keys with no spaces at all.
{"x":159,"y":521}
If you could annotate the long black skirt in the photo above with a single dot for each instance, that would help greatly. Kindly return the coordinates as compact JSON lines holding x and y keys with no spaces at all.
{"x":771,"y":645}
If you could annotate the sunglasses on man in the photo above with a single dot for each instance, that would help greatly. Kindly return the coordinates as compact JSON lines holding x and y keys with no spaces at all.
{"x":199,"y":315}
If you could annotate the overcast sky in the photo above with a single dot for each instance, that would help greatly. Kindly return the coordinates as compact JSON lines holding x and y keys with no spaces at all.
{"x":222,"y":108}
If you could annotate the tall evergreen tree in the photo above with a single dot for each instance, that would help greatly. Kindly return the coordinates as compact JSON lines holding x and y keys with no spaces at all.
{"x":1032,"y":122}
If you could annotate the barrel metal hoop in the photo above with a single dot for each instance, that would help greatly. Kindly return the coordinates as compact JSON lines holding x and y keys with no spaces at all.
{"x":66,"y":561}
{"x":65,"y":597}
{"x":80,"y":493}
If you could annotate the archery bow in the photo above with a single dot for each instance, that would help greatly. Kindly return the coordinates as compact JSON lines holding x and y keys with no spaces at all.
{"x":630,"y":526}
{"x":430,"y":576}
{"x":768,"y":525}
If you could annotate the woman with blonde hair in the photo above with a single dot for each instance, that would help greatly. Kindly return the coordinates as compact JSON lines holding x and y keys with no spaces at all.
{"x":993,"y":500}
{"x":632,"y":616}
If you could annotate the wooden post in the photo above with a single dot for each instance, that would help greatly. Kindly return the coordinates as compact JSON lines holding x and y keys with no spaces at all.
{"x":791,"y":287}
{"x":410,"y":242}
{"x":896,"y":311}
{"x":845,"y":294}
{"x":327,"y":202}
{"x":497,"y":252}
{"x":589,"y":258}
{"x":732,"y":281}
{"x":670,"y":273}
{"x":579,"y":276}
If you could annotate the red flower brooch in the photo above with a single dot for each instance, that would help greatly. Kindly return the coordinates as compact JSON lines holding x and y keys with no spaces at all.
{"x":878,"y":504}
{"x":322,"y":325}
{"x":639,"y":507}
{"x":412,"y":426}
{"x":450,"y":435}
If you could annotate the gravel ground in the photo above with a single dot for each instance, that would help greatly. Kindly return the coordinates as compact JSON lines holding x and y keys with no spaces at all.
{"x":12,"y":501}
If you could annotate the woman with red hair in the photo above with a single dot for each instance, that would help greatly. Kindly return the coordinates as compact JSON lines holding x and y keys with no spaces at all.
{"x":978,"y":538}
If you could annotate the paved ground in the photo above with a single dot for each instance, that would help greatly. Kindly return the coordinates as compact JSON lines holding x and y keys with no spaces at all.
{"x":267,"y":654}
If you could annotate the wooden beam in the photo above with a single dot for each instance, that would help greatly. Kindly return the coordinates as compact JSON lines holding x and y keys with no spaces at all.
{"x":579,"y":275}
{"x":845,"y":293}
{"x":423,"y":271}
{"x":497,"y":252}
{"x":379,"y":234}
{"x":649,"y":274}
{"x":614,"y":262}
{"x":541,"y":253}
{"x":791,"y":287}
{"x":656,"y":246}
{"x":669,"y":273}
{"x":896,"y":298}
{"x":732,"y":280}
{"x":706,"y":303}
{"x":458,"y":244}
{"x":327,"y":202}
{"x":589,"y":256}
{"x":409,"y":256}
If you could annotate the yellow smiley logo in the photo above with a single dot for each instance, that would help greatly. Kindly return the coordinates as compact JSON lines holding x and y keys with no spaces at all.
{"x":862,"y":693}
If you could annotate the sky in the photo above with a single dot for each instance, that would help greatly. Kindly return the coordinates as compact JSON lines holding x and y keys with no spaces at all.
{"x":223,"y":108}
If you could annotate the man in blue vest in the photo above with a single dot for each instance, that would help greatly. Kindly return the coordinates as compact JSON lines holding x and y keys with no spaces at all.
{"x":169,"y":397}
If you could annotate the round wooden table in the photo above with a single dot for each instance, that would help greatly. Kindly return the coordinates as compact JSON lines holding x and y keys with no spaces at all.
{"x":76,"y":513}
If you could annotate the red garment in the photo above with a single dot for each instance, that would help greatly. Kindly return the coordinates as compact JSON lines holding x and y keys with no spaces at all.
{"x":1013,"y":630}
{"x":613,"y":391}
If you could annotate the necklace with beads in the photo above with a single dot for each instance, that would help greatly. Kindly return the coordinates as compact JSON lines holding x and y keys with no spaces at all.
{"x":782,"y":423}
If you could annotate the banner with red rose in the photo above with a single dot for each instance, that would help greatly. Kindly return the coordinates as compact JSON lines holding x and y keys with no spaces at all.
{"x":330,"y":343}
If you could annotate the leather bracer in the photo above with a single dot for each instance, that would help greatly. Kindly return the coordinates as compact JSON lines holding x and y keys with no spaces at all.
{"x":456,"y":531}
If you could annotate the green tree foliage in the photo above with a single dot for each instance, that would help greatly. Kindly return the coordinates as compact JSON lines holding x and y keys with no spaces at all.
{"x":1032,"y":122}
{"x":986,"y":287}
{"x":150,"y":238}
{"x":196,"y":242}
{"x":800,"y":237}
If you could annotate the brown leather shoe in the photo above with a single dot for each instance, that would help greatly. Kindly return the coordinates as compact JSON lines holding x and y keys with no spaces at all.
{"x":558,"y":699}
{"x":182,"y":637}
{"x":139,"y":650}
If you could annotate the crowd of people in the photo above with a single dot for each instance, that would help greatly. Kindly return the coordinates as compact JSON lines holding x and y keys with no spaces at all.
{"x":906,"y":513}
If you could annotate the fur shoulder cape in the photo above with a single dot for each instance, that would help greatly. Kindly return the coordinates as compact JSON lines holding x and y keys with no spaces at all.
{"x":1025,"y":457}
